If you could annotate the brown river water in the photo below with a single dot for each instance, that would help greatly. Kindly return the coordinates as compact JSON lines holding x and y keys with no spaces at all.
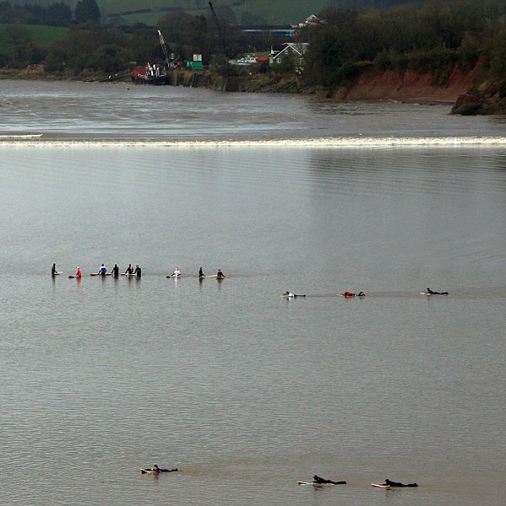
{"x":244,"y":391}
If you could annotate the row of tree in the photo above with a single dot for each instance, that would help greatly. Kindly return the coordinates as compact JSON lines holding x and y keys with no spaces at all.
{"x":431,"y":36}
{"x":54,"y":14}
{"x":103,"y":49}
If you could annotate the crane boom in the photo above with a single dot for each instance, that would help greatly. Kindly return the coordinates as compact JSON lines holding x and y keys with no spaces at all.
{"x":220,"y":33}
{"x":164,"y":47}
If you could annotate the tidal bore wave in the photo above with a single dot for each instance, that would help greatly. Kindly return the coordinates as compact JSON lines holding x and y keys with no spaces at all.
{"x":37,"y":141}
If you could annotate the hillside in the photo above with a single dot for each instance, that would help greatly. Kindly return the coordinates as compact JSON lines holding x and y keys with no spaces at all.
{"x":252,"y":12}
{"x":244,"y":12}
{"x":281,"y":12}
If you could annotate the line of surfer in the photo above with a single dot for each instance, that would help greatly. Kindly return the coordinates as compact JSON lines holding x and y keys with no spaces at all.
{"x":131,"y":271}
{"x":348,"y":294}
{"x":291,"y":295}
{"x":137,"y":272}
{"x":317,"y":480}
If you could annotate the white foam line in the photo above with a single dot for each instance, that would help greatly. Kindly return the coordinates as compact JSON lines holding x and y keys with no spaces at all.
{"x":20,"y":136}
{"x":327,"y":143}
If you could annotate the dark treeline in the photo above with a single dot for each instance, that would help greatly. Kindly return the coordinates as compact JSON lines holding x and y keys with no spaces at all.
{"x":94,"y":48}
{"x":54,"y":14}
{"x":109,"y":50}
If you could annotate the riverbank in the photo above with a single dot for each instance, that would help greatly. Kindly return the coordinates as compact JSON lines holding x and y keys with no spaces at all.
{"x":454,"y":87}
{"x":369,"y":85}
{"x":460,"y":89}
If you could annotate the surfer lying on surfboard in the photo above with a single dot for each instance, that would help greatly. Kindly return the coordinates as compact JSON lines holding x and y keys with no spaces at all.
{"x":320,"y":481}
{"x":430,"y":292}
{"x":389,"y":483}
{"x":351,"y":294}
{"x":155,"y":470}
{"x":291,"y":295}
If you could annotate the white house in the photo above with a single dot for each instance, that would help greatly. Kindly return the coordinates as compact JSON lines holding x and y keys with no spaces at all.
{"x":295,"y":50}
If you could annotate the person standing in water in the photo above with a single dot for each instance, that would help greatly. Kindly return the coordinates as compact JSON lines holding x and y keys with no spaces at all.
{"x":137,"y":271}
{"x":201,"y":273}
{"x":53,"y":270}
{"x":115,"y":271}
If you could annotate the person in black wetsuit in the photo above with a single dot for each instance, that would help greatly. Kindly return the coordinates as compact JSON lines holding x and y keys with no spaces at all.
{"x":219,"y":274}
{"x":155,"y":470}
{"x":398,"y":484}
{"x":318,"y":480}
{"x":201,"y":273}
{"x":138,"y":271}
{"x":429,"y":291}
{"x":115,"y":271}
{"x":53,"y":270}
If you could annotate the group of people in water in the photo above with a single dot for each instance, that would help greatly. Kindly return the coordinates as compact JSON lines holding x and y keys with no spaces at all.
{"x":177,"y":273}
{"x":317,"y":480}
{"x":137,"y":271}
{"x":130,"y":271}
{"x":347,"y":294}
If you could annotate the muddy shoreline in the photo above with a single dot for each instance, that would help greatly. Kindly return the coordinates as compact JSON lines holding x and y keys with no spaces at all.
{"x":458,"y":89}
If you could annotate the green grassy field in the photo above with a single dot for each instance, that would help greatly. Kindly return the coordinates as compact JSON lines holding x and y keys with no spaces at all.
{"x":40,"y":35}
{"x":280,"y":12}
